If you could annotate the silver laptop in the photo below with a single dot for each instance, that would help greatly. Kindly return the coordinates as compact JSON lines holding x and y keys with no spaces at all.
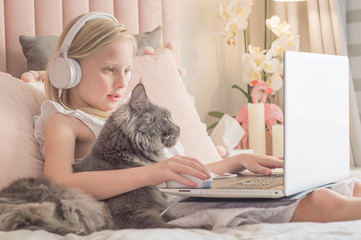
{"x":316,"y":132}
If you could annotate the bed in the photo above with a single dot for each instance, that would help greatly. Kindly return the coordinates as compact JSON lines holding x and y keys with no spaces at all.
{"x":20,"y":101}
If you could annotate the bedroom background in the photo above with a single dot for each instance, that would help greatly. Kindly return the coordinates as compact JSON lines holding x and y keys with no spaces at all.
{"x":201,"y":51}
{"x":213,"y":67}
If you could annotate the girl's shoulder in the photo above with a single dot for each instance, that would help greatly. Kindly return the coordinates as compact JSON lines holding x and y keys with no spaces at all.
{"x":52,"y":112}
{"x":50,"y":108}
{"x":56,"y":113}
{"x":60,"y":122}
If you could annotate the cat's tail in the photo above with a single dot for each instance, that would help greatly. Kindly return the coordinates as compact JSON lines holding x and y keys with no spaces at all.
{"x":36,"y":216}
{"x":32,"y":216}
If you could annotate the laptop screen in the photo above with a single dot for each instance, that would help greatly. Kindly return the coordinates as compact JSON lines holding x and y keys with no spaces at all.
{"x":316,"y":108}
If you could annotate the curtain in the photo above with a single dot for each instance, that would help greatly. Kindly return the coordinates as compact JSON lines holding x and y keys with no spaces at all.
{"x":322,"y":27}
{"x":352,"y":20}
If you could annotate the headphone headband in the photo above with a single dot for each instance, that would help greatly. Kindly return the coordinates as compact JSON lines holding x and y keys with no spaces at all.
{"x":80,"y":23}
{"x":65,"y":72}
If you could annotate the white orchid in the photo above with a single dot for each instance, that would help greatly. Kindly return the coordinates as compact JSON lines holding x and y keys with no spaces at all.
{"x":255,"y":54}
{"x":264,"y":66}
{"x":277,"y":47}
{"x":280,"y":68}
{"x":262,"y":69}
{"x":270,"y":64}
{"x":235,"y":13}
{"x":276,"y":26}
{"x":253,"y":61}
{"x":252,"y":72}
{"x":267,"y":65}
{"x":232,"y":9}
{"x":275,"y":81}
{"x":293,"y":43}
{"x":284,"y":43}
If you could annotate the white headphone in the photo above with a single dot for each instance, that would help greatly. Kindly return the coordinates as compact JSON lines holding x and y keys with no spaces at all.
{"x":64,"y":72}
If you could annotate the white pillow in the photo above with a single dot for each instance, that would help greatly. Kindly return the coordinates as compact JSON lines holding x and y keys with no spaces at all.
{"x":164,"y":86}
{"x":19,"y":152}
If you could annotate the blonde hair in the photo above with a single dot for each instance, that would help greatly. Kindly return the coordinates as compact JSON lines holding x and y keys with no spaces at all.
{"x":95,"y":35}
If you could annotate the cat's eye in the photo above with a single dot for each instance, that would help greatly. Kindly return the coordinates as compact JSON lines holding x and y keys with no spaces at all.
{"x":168,"y":119}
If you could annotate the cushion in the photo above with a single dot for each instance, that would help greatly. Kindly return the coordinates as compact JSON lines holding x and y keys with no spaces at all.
{"x":20,"y":155}
{"x":149,"y":39}
{"x":164,"y":86}
{"x":38,"y":50}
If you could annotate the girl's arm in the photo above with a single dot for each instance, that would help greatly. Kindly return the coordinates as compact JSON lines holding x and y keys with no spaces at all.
{"x":253,"y":162}
{"x":61,"y":135}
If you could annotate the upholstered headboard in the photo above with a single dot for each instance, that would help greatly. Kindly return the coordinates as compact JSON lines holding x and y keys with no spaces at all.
{"x":48,"y":17}
{"x":20,"y":101}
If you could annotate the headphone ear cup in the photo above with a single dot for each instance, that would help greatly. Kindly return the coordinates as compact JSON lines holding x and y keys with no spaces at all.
{"x":64,"y":73}
{"x":76,"y":73}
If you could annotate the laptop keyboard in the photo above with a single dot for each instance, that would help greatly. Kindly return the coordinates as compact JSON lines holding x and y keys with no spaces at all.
{"x":263,"y":182}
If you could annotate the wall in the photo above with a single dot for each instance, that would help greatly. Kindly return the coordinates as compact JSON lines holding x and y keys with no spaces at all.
{"x":212,"y":66}
{"x":353,"y":19}
{"x":199,"y":55}
{"x":209,"y":74}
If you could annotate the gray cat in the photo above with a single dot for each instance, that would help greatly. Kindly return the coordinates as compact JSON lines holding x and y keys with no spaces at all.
{"x":34,"y":204}
{"x":134,"y":136}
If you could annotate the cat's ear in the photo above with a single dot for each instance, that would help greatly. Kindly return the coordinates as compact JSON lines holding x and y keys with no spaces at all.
{"x":139,"y":98}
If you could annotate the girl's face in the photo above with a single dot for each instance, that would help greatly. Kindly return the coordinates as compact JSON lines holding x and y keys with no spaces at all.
{"x":104,"y":77}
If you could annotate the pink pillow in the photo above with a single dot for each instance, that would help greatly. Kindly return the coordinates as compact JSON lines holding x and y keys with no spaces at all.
{"x":19,"y":152}
{"x":159,"y":74}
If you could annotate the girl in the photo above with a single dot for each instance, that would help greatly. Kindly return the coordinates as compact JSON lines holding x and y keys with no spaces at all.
{"x":70,"y":122}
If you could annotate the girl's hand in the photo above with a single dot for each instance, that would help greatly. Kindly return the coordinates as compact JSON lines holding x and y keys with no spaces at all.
{"x":253,"y":162}
{"x":261,"y":163}
{"x":171,"y":168}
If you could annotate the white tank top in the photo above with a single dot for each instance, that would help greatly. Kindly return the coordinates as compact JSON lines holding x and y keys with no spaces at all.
{"x":48,"y":108}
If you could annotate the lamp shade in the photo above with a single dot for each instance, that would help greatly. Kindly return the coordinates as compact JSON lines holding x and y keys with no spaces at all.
{"x":289,"y":0}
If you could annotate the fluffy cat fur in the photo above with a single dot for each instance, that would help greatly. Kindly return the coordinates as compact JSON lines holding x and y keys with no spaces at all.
{"x":134,"y":136}
{"x":34,"y":204}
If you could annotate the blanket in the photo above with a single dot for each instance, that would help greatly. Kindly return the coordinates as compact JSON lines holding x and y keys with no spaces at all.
{"x":331,"y":231}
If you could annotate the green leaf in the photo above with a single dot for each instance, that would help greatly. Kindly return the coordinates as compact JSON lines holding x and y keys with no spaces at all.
{"x":213,"y":125}
{"x":216,"y":114}
{"x":247,"y":95}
